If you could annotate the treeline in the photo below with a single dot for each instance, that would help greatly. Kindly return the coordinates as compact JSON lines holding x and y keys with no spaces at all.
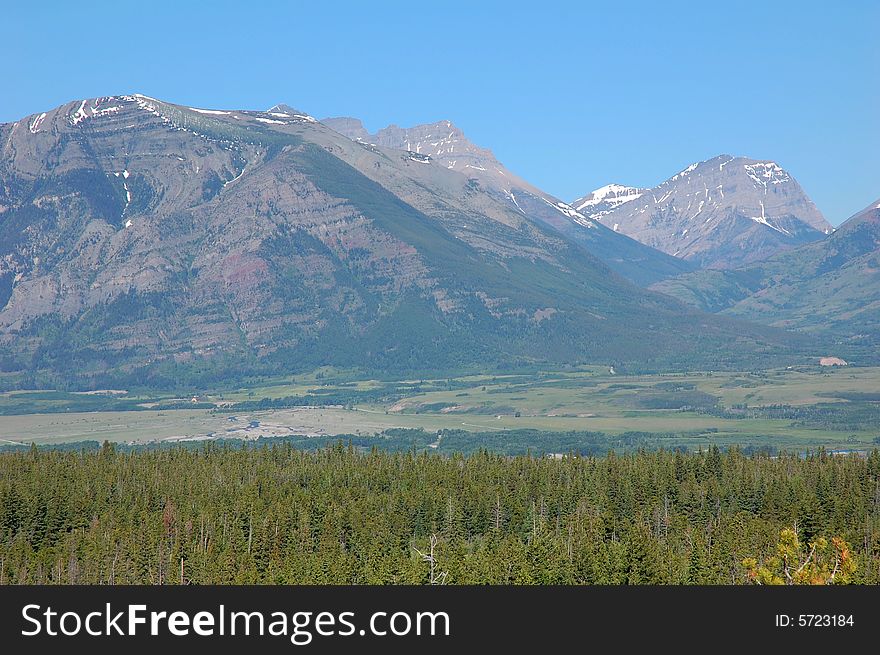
{"x":523,"y":441}
{"x":282,"y":515}
{"x":856,"y":415}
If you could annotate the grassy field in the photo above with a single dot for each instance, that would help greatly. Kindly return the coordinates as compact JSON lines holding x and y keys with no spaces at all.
{"x":586,"y":399}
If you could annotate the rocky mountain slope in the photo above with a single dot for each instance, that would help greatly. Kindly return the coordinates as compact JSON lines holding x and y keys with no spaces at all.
{"x":149,"y":242}
{"x":447,"y":145}
{"x":829,"y":286}
{"x":721,"y":213}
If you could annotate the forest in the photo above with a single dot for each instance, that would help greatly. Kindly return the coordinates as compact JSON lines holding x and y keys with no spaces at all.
{"x":270,"y":514}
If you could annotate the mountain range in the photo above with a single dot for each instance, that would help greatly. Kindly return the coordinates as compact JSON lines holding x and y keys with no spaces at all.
{"x":151,"y":242}
{"x":724,"y":217}
{"x":720,"y":213}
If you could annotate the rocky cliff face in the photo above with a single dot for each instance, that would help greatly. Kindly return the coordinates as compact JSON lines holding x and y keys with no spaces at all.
{"x":719,"y":213}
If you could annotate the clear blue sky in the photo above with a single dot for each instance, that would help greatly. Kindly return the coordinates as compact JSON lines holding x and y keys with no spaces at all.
{"x":570,"y":95}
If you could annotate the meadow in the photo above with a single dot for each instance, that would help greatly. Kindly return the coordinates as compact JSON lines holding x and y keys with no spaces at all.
{"x":791,"y":409}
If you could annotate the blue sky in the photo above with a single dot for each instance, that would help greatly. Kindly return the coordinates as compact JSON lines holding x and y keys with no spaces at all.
{"x":569,"y":95}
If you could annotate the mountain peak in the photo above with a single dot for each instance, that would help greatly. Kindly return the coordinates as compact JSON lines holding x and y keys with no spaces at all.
{"x":609,"y":196}
{"x":720,"y":212}
{"x":442,"y":141}
{"x":282,"y":108}
{"x":605,"y":199}
{"x":611,"y":189}
{"x":349,"y":127}
{"x":287,"y":110}
{"x":436,"y":139}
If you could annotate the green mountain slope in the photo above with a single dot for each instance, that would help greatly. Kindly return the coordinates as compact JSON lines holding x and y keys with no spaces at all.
{"x":831,"y":286}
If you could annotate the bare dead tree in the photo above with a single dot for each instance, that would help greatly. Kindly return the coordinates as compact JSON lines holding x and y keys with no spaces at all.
{"x":665,"y":516}
{"x":113,"y":567}
{"x":435,"y":578}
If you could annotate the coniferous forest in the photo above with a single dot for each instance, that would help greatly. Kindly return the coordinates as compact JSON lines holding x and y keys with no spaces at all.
{"x":339,"y":516}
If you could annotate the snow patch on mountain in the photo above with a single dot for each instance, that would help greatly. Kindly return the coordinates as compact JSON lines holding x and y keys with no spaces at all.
{"x":763,"y":173}
{"x":124,"y":175}
{"x":34,"y":127}
{"x":80,"y":114}
{"x":97,"y":109}
{"x":214,"y":112}
{"x":762,"y":219}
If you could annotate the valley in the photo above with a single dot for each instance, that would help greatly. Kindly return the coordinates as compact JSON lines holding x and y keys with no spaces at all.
{"x":585,"y":409}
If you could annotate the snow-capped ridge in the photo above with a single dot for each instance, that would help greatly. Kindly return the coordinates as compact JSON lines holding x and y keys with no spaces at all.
{"x":687,"y":171}
{"x":612,"y":195}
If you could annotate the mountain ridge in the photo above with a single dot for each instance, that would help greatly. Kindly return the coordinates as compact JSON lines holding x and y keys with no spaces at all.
{"x":447,"y":144}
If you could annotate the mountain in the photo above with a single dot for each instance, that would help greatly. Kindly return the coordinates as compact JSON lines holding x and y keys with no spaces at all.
{"x":145,"y":242}
{"x":830,"y":286}
{"x":448,"y":146}
{"x":604,"y":200}
{"x":721,"y":213}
